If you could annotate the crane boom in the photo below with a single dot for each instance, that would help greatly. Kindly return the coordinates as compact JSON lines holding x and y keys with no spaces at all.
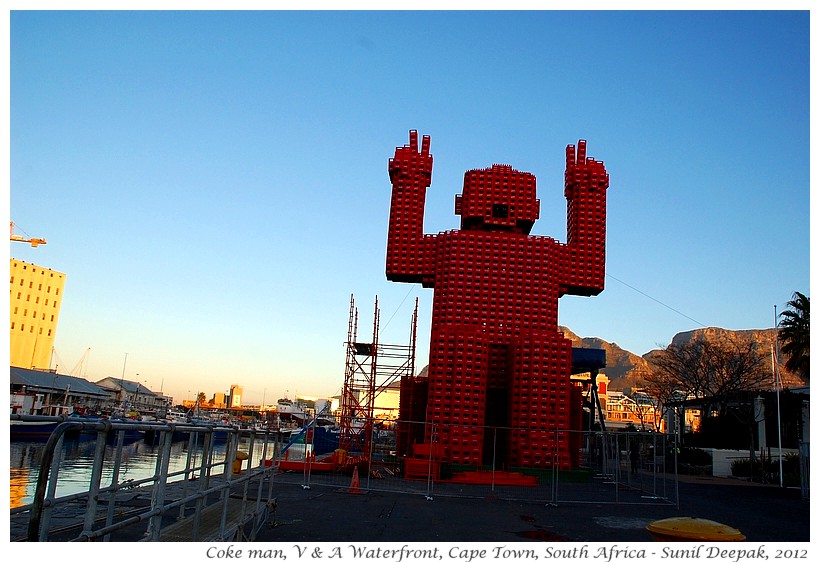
{"x":17,"y":238}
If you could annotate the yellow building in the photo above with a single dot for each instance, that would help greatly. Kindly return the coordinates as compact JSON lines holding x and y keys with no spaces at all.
{"x":637,"y":409}
{"x":35,"y":295}
{"x":219,"y":400}
{"x":235,"y":396}
{"x":386,"y":403}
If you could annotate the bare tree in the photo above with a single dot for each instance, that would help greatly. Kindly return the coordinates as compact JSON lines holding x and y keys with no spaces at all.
{"x":719,"y":373}
{"x":645,"y":407}
{"x":661,"y":387}
{"x":714,"y":371}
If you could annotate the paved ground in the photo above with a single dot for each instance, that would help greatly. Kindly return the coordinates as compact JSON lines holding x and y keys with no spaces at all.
{"x":333,"y":514}
{"x":325,"y":511}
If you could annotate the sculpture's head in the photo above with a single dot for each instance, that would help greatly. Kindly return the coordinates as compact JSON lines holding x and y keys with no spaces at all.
{"x":498,"y":198}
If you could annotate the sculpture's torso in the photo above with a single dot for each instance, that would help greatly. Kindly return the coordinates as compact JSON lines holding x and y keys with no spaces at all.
{"x":495,"y":282}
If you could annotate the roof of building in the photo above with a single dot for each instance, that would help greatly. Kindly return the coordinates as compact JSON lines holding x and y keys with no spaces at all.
{"x":126,"y":385}
{"x":53,"y":382}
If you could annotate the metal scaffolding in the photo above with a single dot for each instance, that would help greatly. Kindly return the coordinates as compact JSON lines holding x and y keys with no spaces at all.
{"x":370,"y":368}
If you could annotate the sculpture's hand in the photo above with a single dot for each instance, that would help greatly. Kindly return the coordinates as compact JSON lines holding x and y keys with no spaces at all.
{"x":408,"y":161}
{"x":583,"y":172}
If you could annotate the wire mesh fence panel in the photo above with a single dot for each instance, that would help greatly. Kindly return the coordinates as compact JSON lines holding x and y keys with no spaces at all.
{"x":548,"y":466}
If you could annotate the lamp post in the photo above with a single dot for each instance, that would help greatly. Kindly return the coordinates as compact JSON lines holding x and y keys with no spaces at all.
{"x":122,"y":382}
{"x":776,"y":374}
{"x":137,"y":392}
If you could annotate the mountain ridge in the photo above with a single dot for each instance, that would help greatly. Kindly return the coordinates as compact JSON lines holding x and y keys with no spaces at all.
{"x":626,"y":369}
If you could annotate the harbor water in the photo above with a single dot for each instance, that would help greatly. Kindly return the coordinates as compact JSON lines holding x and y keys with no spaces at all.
{"x":139,"y":459}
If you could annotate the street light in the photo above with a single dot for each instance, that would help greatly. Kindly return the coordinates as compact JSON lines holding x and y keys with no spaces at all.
{"x":777,"y":384}
{"x":122,"y":382}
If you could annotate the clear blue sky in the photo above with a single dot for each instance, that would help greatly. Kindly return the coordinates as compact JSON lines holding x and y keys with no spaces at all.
{"x":214,"y":184}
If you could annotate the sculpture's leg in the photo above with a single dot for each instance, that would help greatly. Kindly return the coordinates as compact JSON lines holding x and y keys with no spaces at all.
{"x":457,"y":395}
{"x":542,"y":409}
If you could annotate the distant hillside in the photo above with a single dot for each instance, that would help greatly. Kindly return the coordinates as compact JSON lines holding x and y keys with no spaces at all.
{"x":627,"y":370}
{"x":764,"y":339}
{"x":624,"y":369}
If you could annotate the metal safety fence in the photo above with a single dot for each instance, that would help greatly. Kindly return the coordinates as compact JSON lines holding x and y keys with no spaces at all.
{"x":612,"y":466}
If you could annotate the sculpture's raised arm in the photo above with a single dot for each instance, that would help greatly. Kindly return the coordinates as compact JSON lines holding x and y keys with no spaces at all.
{"x":585,"y":185}
{"x":410,"y":172}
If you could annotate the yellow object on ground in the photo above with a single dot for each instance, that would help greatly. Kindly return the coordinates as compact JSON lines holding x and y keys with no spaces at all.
{"x":692,"y":529}
{"x":236,"y":466}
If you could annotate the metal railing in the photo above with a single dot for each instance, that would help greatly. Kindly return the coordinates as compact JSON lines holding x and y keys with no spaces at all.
{"x":212,"y":498}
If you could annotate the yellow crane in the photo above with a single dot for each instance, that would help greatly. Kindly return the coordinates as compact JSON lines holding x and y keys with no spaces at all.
{"x":17,"y":238}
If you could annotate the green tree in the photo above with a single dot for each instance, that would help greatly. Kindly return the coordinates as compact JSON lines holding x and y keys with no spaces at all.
{"x":794,"y":335}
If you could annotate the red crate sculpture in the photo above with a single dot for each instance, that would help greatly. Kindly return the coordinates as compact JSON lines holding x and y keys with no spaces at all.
{"x":497,"y":358}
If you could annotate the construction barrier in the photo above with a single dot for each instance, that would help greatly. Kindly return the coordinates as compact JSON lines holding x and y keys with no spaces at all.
{"x":611,"y":467}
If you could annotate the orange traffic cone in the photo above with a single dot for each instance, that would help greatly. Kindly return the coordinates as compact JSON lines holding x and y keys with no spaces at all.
{"x":354,"y":483}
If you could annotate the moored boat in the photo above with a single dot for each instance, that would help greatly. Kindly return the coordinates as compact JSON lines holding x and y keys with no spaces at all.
{"x":25,"y":430}
{"x":129,"y":435}
{"x":33,"y":427}
{"x":290,"y":411}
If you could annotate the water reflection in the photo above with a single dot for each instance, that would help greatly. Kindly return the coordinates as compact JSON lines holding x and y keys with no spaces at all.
{"x":138,"y":461}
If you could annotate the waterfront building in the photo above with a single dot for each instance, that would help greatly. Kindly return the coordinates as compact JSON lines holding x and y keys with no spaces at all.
{"x":235,"y":396}
{"x":47,"y":393}
{"x":637,"y":409}
{"x":386,"y":403}
{"x":35,"y":296}
{"x":219,"y":400}
{"x":133,"y":394}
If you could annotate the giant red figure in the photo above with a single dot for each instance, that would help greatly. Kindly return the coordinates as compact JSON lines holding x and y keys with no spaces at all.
{"x":499,"y":373}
